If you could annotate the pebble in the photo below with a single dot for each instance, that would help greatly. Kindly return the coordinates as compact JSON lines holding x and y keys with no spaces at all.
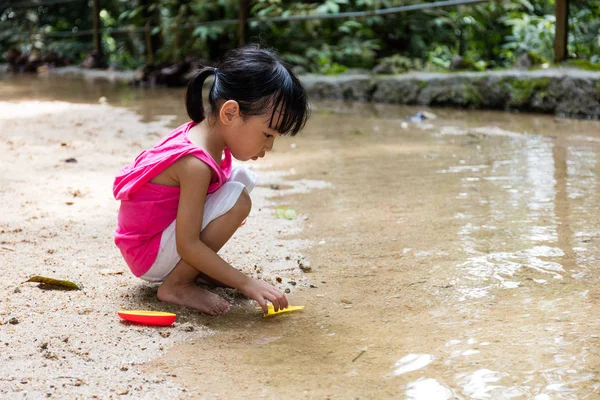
{"x":13,"y":321}
{"x":304,"y":266}
{"x":17,"y":290}
{"x":346,"y":301}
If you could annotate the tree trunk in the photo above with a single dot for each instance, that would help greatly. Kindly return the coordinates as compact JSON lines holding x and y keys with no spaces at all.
{"x":242,"y":16}
{"x":153,"y":42}
{"x":561,"y":33}
{"x":97,"y":36}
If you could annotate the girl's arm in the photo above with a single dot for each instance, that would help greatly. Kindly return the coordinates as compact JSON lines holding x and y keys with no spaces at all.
{"x":194,"y":177}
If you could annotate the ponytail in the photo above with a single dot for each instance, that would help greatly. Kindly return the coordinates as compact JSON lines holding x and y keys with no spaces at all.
{"x":193,"y":97}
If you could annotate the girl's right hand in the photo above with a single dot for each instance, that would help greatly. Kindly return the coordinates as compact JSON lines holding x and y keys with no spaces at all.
{"x":261,"y":292}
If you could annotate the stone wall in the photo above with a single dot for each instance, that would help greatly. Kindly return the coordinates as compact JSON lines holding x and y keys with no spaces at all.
{"x":566,"y":92}
{"x":560,"y":91}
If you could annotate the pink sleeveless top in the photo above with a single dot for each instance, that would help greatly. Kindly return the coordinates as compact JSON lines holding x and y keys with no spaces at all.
{"x":147,"y":209}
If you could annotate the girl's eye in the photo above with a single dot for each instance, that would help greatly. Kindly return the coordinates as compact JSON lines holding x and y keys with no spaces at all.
{"x":268,"y":136}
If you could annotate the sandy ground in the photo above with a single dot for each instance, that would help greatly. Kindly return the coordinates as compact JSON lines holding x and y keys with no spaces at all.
{"x":58,"y":220}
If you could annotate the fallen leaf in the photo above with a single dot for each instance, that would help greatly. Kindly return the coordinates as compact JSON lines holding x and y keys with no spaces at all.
{"x":53,"y":283}
{"x":110,"y":272}
{"x":284,"y":212}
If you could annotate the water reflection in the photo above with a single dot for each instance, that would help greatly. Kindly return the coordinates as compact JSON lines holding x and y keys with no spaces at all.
{"x":518,"y":224}
{"x":412,"y":362}
{"x":427,"y":389}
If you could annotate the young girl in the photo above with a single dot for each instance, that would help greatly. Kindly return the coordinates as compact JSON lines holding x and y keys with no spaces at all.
{"x":181,"y":200}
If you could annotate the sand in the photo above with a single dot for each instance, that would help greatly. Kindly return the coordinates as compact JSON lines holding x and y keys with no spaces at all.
{"x":58,"y":162}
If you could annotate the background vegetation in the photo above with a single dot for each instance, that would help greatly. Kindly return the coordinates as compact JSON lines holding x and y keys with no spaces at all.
{"x":486,"y":35}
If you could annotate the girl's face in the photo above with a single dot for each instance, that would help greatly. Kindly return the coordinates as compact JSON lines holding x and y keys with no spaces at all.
{"x":250,"y":138}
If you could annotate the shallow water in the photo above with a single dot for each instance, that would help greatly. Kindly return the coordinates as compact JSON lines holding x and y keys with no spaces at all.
{"x":452,"y":259}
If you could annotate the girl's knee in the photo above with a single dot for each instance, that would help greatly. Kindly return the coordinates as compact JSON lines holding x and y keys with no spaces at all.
{"x":243,"y":205}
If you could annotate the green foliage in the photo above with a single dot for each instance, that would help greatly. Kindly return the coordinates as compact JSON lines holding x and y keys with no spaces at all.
{"x":584,"y":64}
{"x":530,"y":34}
{"x":522,"y":90}
{"x":487,"y":35}
{"x":398,"y":64}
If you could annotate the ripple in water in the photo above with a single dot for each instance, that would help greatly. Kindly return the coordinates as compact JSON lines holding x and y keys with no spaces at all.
{"x":412,"y":362}
{"x":427,"y":389}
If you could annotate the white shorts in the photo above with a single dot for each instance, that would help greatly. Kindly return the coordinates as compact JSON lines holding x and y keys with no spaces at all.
{"x":215,"y":205}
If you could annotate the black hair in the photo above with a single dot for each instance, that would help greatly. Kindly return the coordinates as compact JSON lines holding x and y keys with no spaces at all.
{"x":259,"y":81}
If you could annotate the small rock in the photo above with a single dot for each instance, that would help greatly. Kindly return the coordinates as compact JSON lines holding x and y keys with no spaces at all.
{"x":165,"y":334}
{"x":17,"y":290}
{"x":287,"y":290}
{"x":122,"y":392}
{"x":274,"y":187}
{"x":312,"y":286}
{"x":188,"y":328}
{"x":13,"y":321}
{"x":278,"y":279}
{"x":293,"y":283}
{"x":304,"y":266}
{"x":346,"y":301}
{"x":71,"y":160}
{"x":421,"y":116}
{"x":44,"y":346}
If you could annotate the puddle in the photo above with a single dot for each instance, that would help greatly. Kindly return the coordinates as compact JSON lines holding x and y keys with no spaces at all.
{"x":452,"y":259}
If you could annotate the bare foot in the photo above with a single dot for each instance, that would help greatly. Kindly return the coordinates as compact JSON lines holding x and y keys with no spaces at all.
{"x":190,"y":295}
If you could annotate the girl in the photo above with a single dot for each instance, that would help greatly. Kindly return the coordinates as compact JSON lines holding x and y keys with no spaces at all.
{"x":181,"y":200}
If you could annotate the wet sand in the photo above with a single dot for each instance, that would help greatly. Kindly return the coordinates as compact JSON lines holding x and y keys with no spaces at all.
{"x":454,"y":258}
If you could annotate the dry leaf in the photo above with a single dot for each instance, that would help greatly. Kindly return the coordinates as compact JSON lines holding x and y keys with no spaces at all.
{"x":284,"y":212}
{"x":110,"y":272}
{"x":54,"y":283}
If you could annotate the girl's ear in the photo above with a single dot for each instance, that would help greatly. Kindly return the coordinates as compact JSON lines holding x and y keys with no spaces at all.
{"x":230,"y":111}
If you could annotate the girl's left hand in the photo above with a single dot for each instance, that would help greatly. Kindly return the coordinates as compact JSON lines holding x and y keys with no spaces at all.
{"x":263,"y":292}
